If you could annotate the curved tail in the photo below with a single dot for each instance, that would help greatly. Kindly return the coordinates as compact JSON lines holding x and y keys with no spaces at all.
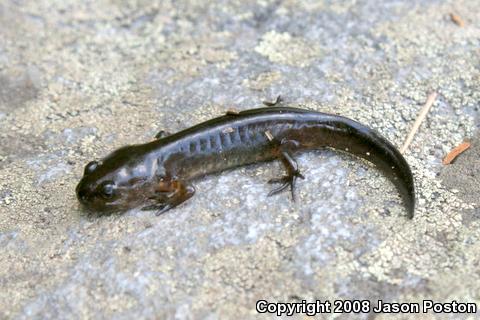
{"x":356,"y":138}
{"x":316,"y":129}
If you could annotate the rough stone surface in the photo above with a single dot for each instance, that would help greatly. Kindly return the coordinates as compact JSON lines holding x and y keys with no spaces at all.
{"x":81,"y":78}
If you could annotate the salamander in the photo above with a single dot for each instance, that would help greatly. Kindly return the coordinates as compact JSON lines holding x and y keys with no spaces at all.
{"x":158,"y":175}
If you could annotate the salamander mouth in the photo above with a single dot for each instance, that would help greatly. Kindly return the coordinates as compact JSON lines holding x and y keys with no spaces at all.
{"x":83,"y":194}
{"x":101,"y":210}
{"x":99,"y":206}
{"x":89,"y":200}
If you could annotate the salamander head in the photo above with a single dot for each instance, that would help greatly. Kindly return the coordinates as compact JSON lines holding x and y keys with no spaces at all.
{"x":117,"y":182}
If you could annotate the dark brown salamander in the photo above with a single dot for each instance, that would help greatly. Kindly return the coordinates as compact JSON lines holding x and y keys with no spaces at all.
{"x":158,"y":173}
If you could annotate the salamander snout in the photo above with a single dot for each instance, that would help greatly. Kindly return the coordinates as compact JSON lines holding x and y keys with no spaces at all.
{"x":106,"y":185}
{"x":98,"y":196}
{"x":119,"y":181}
{"x":83,"y":194}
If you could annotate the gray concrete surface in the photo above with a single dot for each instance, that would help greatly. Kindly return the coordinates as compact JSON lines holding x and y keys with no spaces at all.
{"x":81,"y":78}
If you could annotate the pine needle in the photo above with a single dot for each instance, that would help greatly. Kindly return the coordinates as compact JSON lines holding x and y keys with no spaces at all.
{"x":423,"y":113}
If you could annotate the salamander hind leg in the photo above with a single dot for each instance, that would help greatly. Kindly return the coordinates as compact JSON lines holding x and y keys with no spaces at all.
{"x":168,"y":195}
{"x":285,"y":148}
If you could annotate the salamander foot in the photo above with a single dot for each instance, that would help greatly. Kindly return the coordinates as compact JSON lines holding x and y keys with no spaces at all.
{"x":169,"y":194}
{"x":286,"y":181}
{"x":159,"y":208}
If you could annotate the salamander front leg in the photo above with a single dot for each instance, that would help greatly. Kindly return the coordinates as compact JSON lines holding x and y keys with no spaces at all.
{"x":290,"y":165}
{"x":168,"y":195}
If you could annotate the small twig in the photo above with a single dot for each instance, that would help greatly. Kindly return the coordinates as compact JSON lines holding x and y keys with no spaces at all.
{"x":456,"y":152}
{"x":457,"y":20}
{"x":228,"y":130}
{"x":423,"y":113}
{"x":269,"y":135}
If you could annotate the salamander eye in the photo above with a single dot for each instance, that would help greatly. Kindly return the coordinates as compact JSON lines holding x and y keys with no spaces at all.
{"x":90,"y":167}
{"x":107,"y":189}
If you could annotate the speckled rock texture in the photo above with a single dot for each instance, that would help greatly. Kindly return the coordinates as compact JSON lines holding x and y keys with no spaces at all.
{"x":81,"y":78}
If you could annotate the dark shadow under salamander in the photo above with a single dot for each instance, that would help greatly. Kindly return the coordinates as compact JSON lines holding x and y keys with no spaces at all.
{"x":158,"y":174}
